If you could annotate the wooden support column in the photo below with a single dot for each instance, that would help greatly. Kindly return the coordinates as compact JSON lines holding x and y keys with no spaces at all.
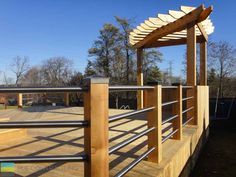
{"x":139,"y":77}
{"x":177,"y":110}
{"x":191,"y":70}
{"x":154,"y":98}
{"x":203,"y":63}
{"x":67,"y":99}
{"x":19,"y":100}
{"x":191,"y":56}
{"x":96,"y":135}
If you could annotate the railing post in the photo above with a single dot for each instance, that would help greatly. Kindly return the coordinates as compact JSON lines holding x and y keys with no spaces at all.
{"x":154,"y":98}
{"x":67,"y":99}
{"x":19,"y":100}
{"x":96,"y":135}
{"x":177,"y":110}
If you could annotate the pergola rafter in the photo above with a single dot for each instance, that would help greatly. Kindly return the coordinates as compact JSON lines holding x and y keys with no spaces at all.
{"x":172,"y":26}
{"x":189,"y":25}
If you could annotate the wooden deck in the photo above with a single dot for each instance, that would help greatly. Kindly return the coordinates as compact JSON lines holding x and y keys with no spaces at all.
{"x":66,"y":141}
{"x":69,"y":141}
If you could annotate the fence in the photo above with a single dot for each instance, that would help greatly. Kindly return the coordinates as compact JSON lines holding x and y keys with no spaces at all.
{"x":96,"y":123}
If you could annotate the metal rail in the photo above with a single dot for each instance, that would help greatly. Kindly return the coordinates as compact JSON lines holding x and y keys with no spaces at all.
{"x":188,"y":98}
{"x":40,"y":89}
{"x":187,"y":87}
{"x":169,"y":103}
{"x":167,"y":128}
{"x":134,"y":163}
{"x":130,"y":140}
{"x":169,"y":119}
{"x":186,"y":110}
{"x":42,"y":159}
{"x":185,"y":123}
{"x":128,"y":114}
{"x":43,"y":124}
{"x":129,"y":88}
{"x":168,"y":136}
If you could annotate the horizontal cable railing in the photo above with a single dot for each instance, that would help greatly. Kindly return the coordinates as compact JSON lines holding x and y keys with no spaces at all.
{"x":129,"y":88}
{"x":188,"y":98}
{"x":167,"y":128}
{"x":187,"y":121}
{"x":43,"y":124}
{"x":41,"y":89}
{"x":187,"y":87}
{"x":46,"y":159}
{"x":169,"y":87}
{"x":130,"y":140}
{"x":134,"y":163}
{"x":169,"y":135}
{"x":169,"y":103}
{"x":128,"y":114}
{"x":186,"y":110}
{"x":169,"y":119}
{"x":136,"y":136}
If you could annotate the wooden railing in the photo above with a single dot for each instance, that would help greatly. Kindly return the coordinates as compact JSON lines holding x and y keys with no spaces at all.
{"x":96,"y":122}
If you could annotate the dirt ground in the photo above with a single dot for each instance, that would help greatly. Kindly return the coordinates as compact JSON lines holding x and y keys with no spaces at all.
{"x":218,"y":158}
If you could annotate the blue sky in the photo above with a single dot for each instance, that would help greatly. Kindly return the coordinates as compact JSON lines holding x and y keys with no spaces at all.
{"x":41,"y":29}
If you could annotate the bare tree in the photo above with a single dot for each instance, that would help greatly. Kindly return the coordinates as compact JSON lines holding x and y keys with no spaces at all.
{"x":33,"y":77}
{"x":222,"y":58}
{"x":57,"y":71}
{"x":19,"y":66}
{"x":7,"y":80}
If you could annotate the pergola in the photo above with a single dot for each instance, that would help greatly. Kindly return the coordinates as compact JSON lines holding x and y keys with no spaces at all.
{"x":189,"y":25}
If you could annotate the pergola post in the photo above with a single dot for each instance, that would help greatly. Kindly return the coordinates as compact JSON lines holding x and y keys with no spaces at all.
{"x":203,"y":63}
{"x":139,"y":77}
{"x":191,"y":71}
{"x":191,"y":56}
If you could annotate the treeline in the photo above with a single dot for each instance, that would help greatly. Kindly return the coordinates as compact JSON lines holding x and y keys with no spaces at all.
{"x":55,"y":71}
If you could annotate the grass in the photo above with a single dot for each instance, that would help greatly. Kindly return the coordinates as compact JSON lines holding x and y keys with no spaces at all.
{"x":8,"y":107}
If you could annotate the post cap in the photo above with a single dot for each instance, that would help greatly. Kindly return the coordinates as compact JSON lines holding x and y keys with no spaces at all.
{"x":95,"y":80}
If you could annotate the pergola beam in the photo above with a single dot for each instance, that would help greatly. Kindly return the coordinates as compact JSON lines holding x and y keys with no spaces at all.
{"x":178,"y":25}
{"x":200,"y":27}
{"x":167,"y":43}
